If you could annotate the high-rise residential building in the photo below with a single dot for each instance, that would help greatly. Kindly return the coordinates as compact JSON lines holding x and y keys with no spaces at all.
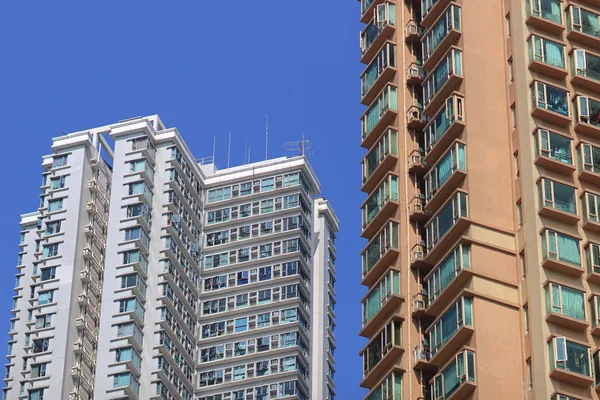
{"x":146,"y":274}
{"x":482,"y":174}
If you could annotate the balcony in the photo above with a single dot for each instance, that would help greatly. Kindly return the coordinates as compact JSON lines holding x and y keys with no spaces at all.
{"x":415,"y":74}
{"x":380,"y":114}
{"x":382,"y":353}
{"x":545,"y":15}
{"x":583,"y":26}
{"x":590,"y":203}
{"x":446,"y":226}
{"x":417,"y":209}
{"x":431,"y":11}
{"x":550,"y":104}
{"x":380,"y":72}
{"x":444,"y":33}
{"x":450,"y":332}
{"x":445,"y":177}
{"x":589,"y":163}
{"x":383,"y":300}
{"x":443,"y":128}
{"x":565,"y":307}
{"x":380,"y":253}
{"x":572,"y":364}
{"x":380,"y":160}
{"x":380,"y":206}
{"x":368,"y":9}
{"x":587,"y":116}
{"x":561,"y":253}
{"x":457,"y":380}
{"x":586,"y":70}
{"x":553,"y":152}
{"x":557,"y":201}
{"x":415,"y":119}
{"x":377,"y":31}
{"x":547,"y":57}
{"x":595,"y":308}
{"x":416,"y":162}
{"x":442,"y":81}
{"x":414,"y":32}
{"x":446,"y":281}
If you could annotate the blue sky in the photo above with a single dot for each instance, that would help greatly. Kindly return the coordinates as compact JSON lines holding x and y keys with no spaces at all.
{"x":208,"y":68}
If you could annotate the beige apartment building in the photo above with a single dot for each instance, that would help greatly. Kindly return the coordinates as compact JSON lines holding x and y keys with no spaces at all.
{"x":482,"y":182}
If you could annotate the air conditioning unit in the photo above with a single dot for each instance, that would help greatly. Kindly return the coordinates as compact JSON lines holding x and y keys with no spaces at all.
{"x":418,"y":207}
{"x":419,"y":304}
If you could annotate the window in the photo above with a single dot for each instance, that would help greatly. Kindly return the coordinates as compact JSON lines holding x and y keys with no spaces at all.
{"x":459,"y":371}
{"x":52,"y":227}
{"x":557,"y":196}
{"x":529,"y":374}
{"x":550,"y":98}
{"x":38,"y":370}
{"x":55,"y":205}
{"x":265,"y":250}
{"x":523,"y":266}
{"x":546,"y":51}
{"x":218,"y":216}
{"x":241,"y":324}
{"x":520,"y":213}
{"x":239,"y":373}
{"x":262,"y":368}
{"x":290,"y":201}
{"x":242,"y":278}
{"x":458,"y":315}
{"x":289,"y":315}
{"x":517,"y":166}
{"x":219,"y":194}
{"x":508,"y":28}
{"x":264,"y":273}
{"x":513,"y":114}
{"x":526,"y":315}
{"x":264,"y":296}
{"x":266,"y":206}
{"x":36,"y":394}
{"x":46,"y":297}
{"x":58,"y":182}
{"x":569,"y":356}
{"x":59,"y":161}
{"x":40,"y":345}
{"x":565,"y":301}
{"x":241,"y":300}
{"x":511,"y":72}
{"x":267,"y":184}
{"x":560,"y":247}
{"x":51,"y":250}
{"x":246,"y":189}
{"x":48,"y":273}
{"x":264,"y":320}
{"x":261,"y":393}
{"x":126,"y":379}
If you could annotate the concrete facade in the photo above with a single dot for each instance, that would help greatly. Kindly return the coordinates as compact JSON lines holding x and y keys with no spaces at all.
{"x":125,"y":299}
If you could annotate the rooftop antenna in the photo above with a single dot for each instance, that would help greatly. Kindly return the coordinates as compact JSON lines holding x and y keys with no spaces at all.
{"x":245,"y":149}
{"x":267,"y":138}
{"x":214,"y":147}
{"x":298,"y":148}
{"x":248,"y":155}
{"x":229,"y":150}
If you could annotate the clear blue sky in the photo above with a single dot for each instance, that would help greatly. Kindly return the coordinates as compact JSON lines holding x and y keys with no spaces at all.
{"x":208,"y":68}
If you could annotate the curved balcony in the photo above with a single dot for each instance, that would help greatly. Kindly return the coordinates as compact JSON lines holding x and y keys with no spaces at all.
{"x":554,"y":152}
{"x":377,"y":74}
{"x":442,"y":81}
{"x":545,"y":15}
{"x":583,"y":26}
{"x":380,"y":29}
{"x":445,"y":177}
{"x":444,"y":127}
{"x":379,"y":115}
{"x":457,"y":380}
{"x":380,"y":160}
{"x":586,"y":70}
{"x":380,"y":253}
{"x":380,"y":206}
{"x":445,"y":32}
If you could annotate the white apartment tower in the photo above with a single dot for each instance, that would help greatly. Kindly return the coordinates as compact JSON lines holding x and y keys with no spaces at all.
{"x":147,"y":275}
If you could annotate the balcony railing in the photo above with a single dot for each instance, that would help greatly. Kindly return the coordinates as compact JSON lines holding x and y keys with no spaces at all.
{"x":386,"y":145}
{"x":447,"y":272}
{"x":557,"y":195}
{"x":386,"y":101}
{"x":384,"y":16}
{"x":386,"y":240}
{"x":560,"y":247}
{"x":550,"y":98}
{"x":390,"y":385}
{"x":450,"y":65}
{"x":386,"y":192}
{"x":454,"y":160}
{"x":379,"y":295}
{"x":460,"y":372}
{"x":451,"y":112}
{"x":565,"y":301}
{"x":547,"y":9}
{"x":569,"y":356}
{"x":590,"y":207}
{"x":587,"y":110}
{"x":451,"y":213}
{"x":458,"y":315}
{"x":384,"y":59}
{"x":546,"y":51}
{"x":554,"y":146}
{"x":589,"y":158}
{"x":448,"y":21}
{"x":582,"y":20}
{"x":381,"y":345}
